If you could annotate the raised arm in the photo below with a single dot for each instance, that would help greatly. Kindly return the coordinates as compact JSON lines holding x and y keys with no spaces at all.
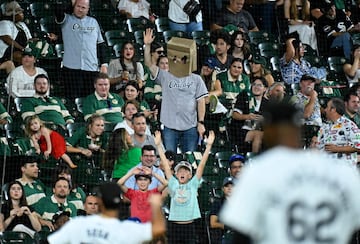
{"x":157,"y":220}
{"x":148,"y":39}
{"x":290,"y":50}
{"x":122,"y":180}
{"x":163,"y":160}
{"x":201,"y":166}
{"x":162,"y":180}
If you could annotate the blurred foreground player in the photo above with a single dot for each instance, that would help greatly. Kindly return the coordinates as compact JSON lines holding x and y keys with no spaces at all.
{"x":309,"y":198}
{"x":106,"y":227}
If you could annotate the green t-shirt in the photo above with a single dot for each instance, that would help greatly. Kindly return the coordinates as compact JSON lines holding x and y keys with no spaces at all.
{"x":126,"y":161}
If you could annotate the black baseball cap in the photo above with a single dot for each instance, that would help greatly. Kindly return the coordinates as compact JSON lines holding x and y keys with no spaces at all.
{"x":307,"y":77}
{"x":110,"y":194}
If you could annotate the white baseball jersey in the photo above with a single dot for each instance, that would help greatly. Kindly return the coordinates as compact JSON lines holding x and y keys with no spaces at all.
{"x":295,"y":196}
{"x":100,"y":230}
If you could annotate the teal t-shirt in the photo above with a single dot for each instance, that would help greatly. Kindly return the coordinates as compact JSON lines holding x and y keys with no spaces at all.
{"x":184,"y":203}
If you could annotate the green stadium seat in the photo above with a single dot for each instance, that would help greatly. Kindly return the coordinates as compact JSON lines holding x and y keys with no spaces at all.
{"x":222,"y":159}
{"x":42,"y":9}
{"x":109,"y":22}
{"x":162,"y":24}
{"x":72,"y":128}
{"x":116,"y":36}
{"x":269,"y":49}
{"x":159,"y":7}
{"x":201,"y":37}
{"x":315,"y":61}
{"x":48,"y":25}
{"x":336,"y":64}
{"x":102,"y":8}
{"x":79,"y":103}
{"x":117,"y":49}
{"x":15,"y":237}
{"x":59,"y":49}
{"x":135,"y":24}
{"x":256,"y":37}
{"x":139,"y":37}
{"x":309,"y":51}
{"x":171,"y":33}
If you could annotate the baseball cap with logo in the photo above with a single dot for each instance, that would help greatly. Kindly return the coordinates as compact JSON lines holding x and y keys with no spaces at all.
{"x":183,"y":164}
{"x":228,"y":180}
{"x":13,"y":8}
{"x":258,"y":60}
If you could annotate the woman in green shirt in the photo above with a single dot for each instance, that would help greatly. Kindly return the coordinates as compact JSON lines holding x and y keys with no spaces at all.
{"x":121,"y":155}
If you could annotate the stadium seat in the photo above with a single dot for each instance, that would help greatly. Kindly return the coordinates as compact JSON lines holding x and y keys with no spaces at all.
{"x":117,"y":49}
{"x":72,"y":128}
{"x":315,"y":61}
{"x":73,"y":110}
{"x":59,"y":49}
{"x":139,"y":53}
{"x":48,"y":25}
{"x":14,"y":130}
{"x":170,"y":33}
{"x":269,"y":49}
{"x":222,"y":159}
{"x":355,"y":38}
{"x":139,"y":37}
{"x":117,"y":36}
{"x":112,"y":22}
{"x":17,"y":237}
{"x":256,"y":37}
{"x":79,"y":103}
{"x":309,"y":51}
{"x":162,"y":24}
{"x":201,"y":37}
{"x":41,"y":9}
{"x":159,"y":7}
{"x":336,"y":64}
{"x":102,"y":8}
{"x":142,"y":23}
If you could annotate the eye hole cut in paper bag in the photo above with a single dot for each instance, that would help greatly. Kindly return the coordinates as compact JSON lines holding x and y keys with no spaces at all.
{"x":182,"y":56}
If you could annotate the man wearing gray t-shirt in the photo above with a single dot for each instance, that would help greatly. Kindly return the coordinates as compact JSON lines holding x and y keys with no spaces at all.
{"x":83,"y":45}
{"x":183,"y":104}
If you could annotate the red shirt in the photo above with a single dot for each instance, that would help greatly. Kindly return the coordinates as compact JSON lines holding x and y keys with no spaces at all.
{"x":140,"y":206}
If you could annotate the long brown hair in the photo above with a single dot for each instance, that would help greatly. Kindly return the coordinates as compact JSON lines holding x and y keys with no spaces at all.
{"x":305,"y":10}
{"x":22,"y":201}
{"x":116,"y":146}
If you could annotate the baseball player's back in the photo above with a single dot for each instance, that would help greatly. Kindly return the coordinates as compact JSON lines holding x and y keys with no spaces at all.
{"x":295,"y":196}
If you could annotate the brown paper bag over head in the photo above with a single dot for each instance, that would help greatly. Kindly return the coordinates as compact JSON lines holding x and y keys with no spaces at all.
{"x":182,"y":56}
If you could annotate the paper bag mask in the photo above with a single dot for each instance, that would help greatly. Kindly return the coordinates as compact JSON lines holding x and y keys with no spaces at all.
{"x":182,"y":56}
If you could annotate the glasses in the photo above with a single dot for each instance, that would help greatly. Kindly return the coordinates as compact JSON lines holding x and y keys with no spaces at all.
{"x":149,"y":156}
{"x":258,"y":85}
{"x":160,"y":52}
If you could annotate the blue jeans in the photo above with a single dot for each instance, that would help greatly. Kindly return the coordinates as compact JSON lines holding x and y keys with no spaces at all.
{"x":187,"y":139}
{"x":188,"y":27}
{"x":345,"y":42}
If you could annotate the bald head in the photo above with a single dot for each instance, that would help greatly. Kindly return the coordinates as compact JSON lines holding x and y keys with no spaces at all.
{"x":81,"y":8}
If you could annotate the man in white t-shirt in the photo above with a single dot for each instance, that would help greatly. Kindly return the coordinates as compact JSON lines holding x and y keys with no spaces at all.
{"x":308,"y":198}
{"x":106,"y":227}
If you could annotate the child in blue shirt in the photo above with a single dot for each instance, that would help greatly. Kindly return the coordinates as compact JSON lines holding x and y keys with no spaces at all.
{"x":184,"y":206}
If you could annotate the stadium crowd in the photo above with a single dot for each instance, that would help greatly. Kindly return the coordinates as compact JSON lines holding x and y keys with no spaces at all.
{"x":90,"y":94}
